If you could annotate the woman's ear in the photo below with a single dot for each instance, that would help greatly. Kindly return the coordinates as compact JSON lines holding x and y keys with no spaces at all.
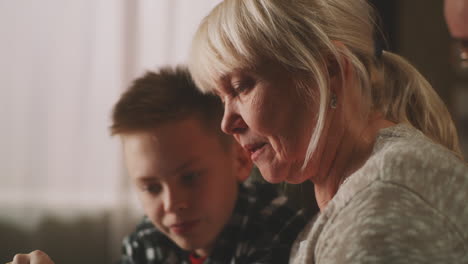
{"x":333,"y":67}
{"x":243,"y":163}
{"x":339,"y":69}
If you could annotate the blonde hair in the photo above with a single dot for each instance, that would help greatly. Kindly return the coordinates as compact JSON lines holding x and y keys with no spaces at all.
{"x":301,"y":35}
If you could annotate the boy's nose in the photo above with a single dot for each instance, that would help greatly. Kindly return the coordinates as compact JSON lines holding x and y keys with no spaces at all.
{"x":174,"y":202}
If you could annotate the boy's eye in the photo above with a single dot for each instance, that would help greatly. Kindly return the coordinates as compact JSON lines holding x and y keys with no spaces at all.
{"x":153,"y":188}
{"x":190,"y":178}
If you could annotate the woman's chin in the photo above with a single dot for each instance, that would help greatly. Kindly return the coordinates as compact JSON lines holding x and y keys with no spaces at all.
{"x":274,"y":180}
{"x":296,"y":179}
{"x":272,"y":175}
{"x":277,"y":175}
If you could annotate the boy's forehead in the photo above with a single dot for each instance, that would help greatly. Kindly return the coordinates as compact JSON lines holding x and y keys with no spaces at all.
{"x":166,"y":172}
{"x":193,"y":127}
{"x":175,"y":146}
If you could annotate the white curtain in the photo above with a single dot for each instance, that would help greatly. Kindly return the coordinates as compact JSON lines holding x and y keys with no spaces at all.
{"x":63,"y":64}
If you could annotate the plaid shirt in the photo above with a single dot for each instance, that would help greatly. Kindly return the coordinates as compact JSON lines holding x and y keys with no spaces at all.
{"x":261,"y":230}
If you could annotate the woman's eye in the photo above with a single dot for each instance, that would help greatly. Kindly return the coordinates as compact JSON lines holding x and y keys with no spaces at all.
{"x":242,"y":85}
{"x":239,"y":87}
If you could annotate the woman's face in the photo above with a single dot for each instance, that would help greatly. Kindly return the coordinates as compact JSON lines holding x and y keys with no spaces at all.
{"x":269,"y":118}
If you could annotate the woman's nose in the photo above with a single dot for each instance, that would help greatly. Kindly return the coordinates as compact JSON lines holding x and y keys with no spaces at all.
{"x":232,"y":122}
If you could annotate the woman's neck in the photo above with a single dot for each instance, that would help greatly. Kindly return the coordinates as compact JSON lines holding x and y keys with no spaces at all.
{"x":353,"y":149}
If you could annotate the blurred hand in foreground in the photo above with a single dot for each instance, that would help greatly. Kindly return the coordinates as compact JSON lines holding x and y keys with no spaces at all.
{"x":35,"y":257}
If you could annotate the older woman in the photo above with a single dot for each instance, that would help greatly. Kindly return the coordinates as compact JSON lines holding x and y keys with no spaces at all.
{"x":312,"y":97}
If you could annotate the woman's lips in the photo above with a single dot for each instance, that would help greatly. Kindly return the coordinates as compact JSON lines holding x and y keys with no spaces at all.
{"x":255,"y":150}
{"x":184,"y":227}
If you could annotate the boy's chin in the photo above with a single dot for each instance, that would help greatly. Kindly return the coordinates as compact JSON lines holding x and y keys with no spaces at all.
{"x":188,"y":245}
{"x":195,"y":242}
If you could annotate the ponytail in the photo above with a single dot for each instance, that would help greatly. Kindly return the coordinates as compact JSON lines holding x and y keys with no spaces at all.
{"x":405,"y":96}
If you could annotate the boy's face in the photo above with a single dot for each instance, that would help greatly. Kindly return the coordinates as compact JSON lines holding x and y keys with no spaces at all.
{"x":186,"y":180}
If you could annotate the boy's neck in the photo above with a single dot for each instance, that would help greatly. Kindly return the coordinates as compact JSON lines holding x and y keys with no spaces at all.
{"x":202,"y":252}
{"x":196,"y":259}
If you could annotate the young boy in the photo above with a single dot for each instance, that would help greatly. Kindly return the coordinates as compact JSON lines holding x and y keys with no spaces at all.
{"x":189,"y":178}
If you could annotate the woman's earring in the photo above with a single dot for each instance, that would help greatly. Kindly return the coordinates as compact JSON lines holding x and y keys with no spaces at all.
{"x":333,"y":101}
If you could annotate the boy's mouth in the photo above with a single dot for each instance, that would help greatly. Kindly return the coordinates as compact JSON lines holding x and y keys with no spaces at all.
{"x":184,"y":227}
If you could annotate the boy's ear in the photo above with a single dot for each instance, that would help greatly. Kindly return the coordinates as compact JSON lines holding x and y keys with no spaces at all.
{"x":243,"y":163}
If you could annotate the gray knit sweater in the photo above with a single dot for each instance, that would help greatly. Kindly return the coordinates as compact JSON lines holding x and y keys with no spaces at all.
{"x":407,"y":204}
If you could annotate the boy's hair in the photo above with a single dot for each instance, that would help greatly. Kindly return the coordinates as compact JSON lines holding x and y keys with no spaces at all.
{"x":166,"y":96}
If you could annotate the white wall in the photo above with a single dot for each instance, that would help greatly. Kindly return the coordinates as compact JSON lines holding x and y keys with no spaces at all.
{"x":63,"y":64}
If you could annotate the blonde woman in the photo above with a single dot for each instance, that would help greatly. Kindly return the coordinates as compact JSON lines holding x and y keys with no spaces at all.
{"x":311,"y":96}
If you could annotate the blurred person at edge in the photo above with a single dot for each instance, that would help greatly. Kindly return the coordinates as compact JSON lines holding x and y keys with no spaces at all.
{"x":310,"y":95}
{"x":456,"y":15}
